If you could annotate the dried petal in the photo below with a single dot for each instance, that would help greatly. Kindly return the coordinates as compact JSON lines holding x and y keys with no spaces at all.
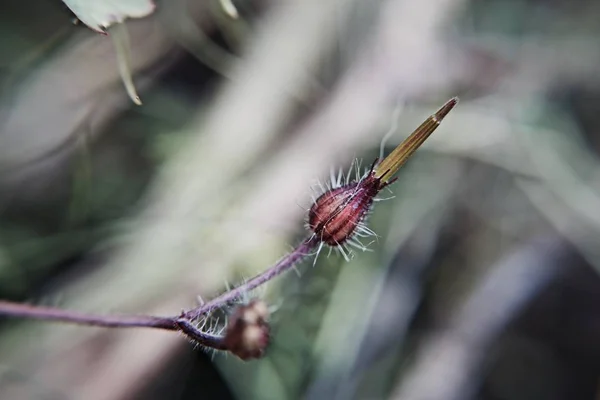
{"x":248,"y":332}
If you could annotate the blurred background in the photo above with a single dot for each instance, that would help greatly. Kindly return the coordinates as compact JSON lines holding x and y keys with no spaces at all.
{"x":483,"y":280}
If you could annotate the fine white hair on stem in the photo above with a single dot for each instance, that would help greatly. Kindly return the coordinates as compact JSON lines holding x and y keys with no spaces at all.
{"x":318,"y":252}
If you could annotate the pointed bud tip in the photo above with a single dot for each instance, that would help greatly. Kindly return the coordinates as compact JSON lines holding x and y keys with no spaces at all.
{"x":445,"y":109}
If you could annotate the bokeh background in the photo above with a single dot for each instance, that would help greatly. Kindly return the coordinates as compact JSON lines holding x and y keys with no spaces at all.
{"x":482,"y":284}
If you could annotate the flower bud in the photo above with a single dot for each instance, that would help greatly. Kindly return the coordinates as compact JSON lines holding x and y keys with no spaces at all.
{"x":336,"y":214}
{"x":248,"y":332}
{"x":339,"y":212}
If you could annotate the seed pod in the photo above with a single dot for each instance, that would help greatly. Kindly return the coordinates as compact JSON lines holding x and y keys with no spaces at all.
{"x":339,"y":212}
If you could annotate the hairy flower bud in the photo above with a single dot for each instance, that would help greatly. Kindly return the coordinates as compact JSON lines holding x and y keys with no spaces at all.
{"x":336,"y":215}
{"x":339,"y":212}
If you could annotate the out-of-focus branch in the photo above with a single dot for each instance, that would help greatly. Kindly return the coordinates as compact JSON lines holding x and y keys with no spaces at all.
{"x":447,"y":364}
{"x":59,"y":100}
{"x":546,"y":163}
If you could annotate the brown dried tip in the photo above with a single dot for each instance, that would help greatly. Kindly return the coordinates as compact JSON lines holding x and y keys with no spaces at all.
{"x":396,"y":159}
{"x":248,"y":332}
{"x":446,"y":108}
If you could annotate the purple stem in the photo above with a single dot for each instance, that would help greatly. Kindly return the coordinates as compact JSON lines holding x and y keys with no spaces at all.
{"x":111,"y":321}
{"x":283,"y":265}
{"x":180,"y":323}
{"x":208,"y":340}
{"x":76,"y":317}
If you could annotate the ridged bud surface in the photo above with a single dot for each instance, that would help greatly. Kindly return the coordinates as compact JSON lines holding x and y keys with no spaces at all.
{"x":337,"y":213}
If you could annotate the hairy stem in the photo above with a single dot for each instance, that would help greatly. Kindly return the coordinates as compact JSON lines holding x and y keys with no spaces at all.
{"x":190,"y":330}
{"x":283,"y":265}
{"x":180,"y":323}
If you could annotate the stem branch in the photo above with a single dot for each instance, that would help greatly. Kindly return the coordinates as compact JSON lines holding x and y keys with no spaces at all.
{"x":283,"y":265}
{"x":182,"y":323}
